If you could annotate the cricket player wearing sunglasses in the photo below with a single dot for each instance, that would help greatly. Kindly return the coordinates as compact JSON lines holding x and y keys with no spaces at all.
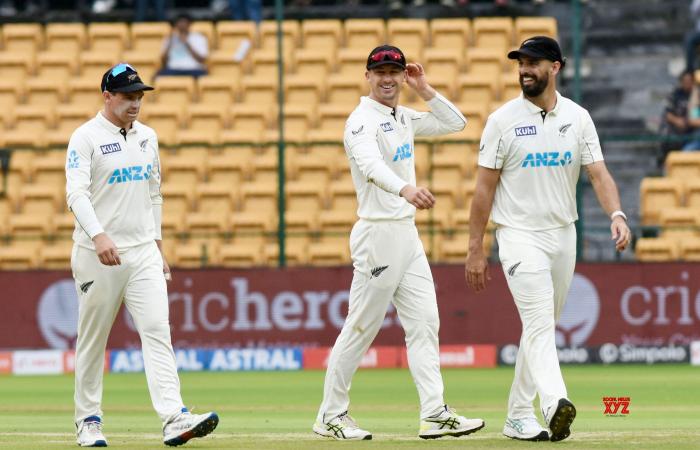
{"x":389,"y":261}
{"x":113,"y":189}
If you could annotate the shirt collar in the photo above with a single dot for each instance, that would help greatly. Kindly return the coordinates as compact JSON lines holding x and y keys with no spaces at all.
{"x":534,"y":109}
{"x":386,"y":110}
{"x":112,"y":128}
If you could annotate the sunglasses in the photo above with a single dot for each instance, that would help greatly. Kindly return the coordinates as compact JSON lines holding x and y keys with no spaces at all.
{"x":386,"y":55}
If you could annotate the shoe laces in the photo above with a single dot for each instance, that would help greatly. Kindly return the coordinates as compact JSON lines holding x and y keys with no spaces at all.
{"x":93,"y":427}
{"x":347,"y":420}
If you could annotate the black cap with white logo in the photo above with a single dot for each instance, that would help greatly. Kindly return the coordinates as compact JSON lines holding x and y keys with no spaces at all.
{"x":123,"y":78}
{"x":386,"y":54}
{"x":541,"y":47}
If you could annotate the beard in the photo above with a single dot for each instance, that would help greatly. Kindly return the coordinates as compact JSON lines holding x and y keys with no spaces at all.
{"x":536,"y":88}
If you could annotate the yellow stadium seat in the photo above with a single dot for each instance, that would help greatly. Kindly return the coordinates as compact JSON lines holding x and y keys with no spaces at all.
{"x":656,"y":249}
{"x":229,"y":169}
{"x":337,"y":222}
{"x":109,"y":38}
{"x":690,"y":249}
{"x":248,"y":122}
{"x":27,"y":38}
{"x":313,"y":167}
{"x":454,"y":247}
{"x":213,"y":90}
{"x":312,"y":62}
{"x":331,"y":122}
{"x":658,"y":194}
{"x":85,"y":92}
{"x":205,"y":124}
{"x":484,"y":61}
{"x":679,"y":222}
{"x":322,"y":35}
{"x":28,"y":225}
{"x":174,"y":91}
{"x":145,"y":62}
{"x":177,"y":198}
{"x":328,"y":253}
{"x":364,"y":34}
{"x":300,"y":222}
{"x":442,"y":83}
{"x":206,"y":225}
{"x":477,"y":89}
{"x":93,"y":64}
{"x":149,"y":36}
{"x":298,"y":119}
{"x":222,"y":64}
{"x":206,"y":28}
{"x":268,"y":34}
{"x":21,"y":163}
{"x":296,"y":253}
{"x":31,"y":124}
{"x":68,"y":118}
{"x":230,"y":35}
{"x":219,"y":198}
{"x":343,"y":196}
{"x":265,"y":64}
{"x":49,"y":169}
{"x":493,"y":32}
{"x":303,"y":90}
{"x":450,"y":34}
{"x":431,"y":243}
{"x":66,"y":38}
{"x":165,"y":118}
{"x":187,"y":168}
{"x":511,"y":88}
{"x":11,"y":94}
{"x":260,"y":197}
{"x":460,"y":219}
{"x":410,"y":35}
{"x":259,"y":91}
{"x":446,"y":62}
{"x":346,"y":89}
{"x":683,"y":165}
{"x":476,"y":115}
{"x":55,"y":66}
{"x":264,"y":169}
{"x":436,"y":219}
{"x":692,"y":193}
{"x":446,"y":190}
{"x":252,"y":225}
{"x":56,"y":256}
{"x":63,"y":224}
{"x":305,"y":196}
{"x":198,"y":254}
{"x":41,"y":198}
{"x":353,"y":62}
{"x":526,"y":27}
{"x":242,"y":254}
{"x":19,"y":257}
{"x":45,"y":92}
{"x":16,"y":66}
{"x":172,"y":224}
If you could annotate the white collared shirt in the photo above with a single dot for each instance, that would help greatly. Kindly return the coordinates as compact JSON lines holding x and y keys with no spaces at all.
{"x":120,"y":175}
{"x":540,"y":158}
{"x":380,"y":148}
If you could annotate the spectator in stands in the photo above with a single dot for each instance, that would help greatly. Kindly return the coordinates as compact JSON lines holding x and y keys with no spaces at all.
{"x":142,"y":9}
{"x":693,"y":40}
{"x":694,"y":115}
{"x":241,"y":9}
{"x":676,"y":121}
{"x":184,"y":52}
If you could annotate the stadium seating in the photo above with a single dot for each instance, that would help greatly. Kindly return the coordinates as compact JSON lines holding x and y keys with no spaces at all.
{"x":656,"y":249}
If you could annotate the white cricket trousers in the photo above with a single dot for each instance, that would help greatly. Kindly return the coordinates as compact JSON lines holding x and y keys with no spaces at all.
{"x":389,"y":266}
{"x":538,"y":266}
{"x":139,"y":281}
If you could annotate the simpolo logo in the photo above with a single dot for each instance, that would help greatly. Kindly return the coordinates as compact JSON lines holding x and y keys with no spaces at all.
{"x":580,"y":315}
{"x":57,"y":314}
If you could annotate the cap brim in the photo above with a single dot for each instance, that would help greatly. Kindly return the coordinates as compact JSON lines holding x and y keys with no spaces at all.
{"x":133,"y":88}
{"x":385,"y":63}
{"x":515,"y":54}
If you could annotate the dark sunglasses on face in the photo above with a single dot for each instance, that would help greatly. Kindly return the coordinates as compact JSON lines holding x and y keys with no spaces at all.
{"x":386,"y":55}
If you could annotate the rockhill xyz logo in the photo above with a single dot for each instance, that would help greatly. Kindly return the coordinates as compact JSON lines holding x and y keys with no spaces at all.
{"x":616,"y":406}
{"x":547,"y":159}
{"x":378,"y":271}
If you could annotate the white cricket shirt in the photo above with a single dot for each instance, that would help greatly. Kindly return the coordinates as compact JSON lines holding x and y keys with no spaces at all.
{"x":179,"y":58}
{"x":120,"y":175}
{"x":540,"y":157}
{"x":379,"y":144}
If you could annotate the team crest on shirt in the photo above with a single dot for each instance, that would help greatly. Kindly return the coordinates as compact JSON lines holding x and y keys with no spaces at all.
{"x":110,"y":148}
{"x":386,"y":127}
{"x":530,"y":130}
{"x":142,"y":144}
{"x":403,"y":121}
{"x":563,"y":129}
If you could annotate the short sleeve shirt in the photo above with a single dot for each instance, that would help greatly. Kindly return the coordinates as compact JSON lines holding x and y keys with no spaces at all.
{"x":540,"y":157}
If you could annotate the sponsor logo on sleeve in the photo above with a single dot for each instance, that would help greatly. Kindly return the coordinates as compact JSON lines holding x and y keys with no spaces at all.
{"x":73,"y":160}
{"x":530,"y":130}
{"x":358,"y":131}
{"x":110,"y":148}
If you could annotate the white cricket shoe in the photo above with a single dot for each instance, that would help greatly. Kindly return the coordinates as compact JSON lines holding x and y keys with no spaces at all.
{"x":90,"y":432}
{"x":527,"y":429}
{"x":342,"y":427}
{"x":184,"y":426}
{"x":559,"y":418}
{"x":448,"y":423}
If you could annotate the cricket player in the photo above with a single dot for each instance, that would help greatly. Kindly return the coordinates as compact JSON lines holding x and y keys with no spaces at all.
{"x":113,"y":189}
{"x":388,"y":257}
{"x":532,"y":150}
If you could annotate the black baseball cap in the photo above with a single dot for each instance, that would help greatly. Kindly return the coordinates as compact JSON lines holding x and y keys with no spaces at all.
{"x":386,"y":54}
{"x":123,"y":78}
{"x":542,"y":47}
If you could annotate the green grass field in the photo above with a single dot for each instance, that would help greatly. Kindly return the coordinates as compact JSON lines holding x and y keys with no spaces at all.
{"x":276,"y":410}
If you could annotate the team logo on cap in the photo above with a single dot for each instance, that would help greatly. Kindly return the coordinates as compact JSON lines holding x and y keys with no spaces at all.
{"x":132,"y":77}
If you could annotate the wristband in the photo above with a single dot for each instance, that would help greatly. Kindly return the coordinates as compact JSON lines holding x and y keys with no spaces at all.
{"x":618,"y":213}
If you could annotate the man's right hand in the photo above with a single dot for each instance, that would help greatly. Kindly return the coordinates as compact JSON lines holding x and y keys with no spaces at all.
{"x":419,"y":197}
{"x":476,"y":270}
{"x":106,"y":250}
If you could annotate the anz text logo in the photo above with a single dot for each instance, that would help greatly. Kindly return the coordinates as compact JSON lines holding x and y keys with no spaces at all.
{"x":133,"y":173}
{"x":547,"y":159}
{"x":403,"y":152}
